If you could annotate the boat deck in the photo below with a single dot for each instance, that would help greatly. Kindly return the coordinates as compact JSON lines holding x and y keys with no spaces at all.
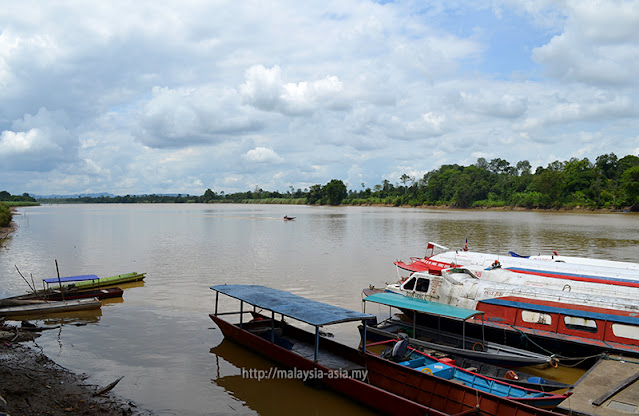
{"x":307,"y":350}
{"x":325,"y":358}
{"x":609,"y":388}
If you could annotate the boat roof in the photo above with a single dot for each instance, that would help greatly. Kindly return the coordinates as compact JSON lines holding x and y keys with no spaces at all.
{"x":285,"y":303}
{"x":420,"y":305}
{"x":72,"y":278}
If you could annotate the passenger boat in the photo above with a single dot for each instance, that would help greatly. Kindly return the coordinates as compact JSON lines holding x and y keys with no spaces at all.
{"x":593,"y":271}
{"x":446,"y":368}
{"x":546,"y":317}
{"x":93,"y":281}
{"x":435,"y":339}
{"x":385,"y":386}
{"x":43,"y":308}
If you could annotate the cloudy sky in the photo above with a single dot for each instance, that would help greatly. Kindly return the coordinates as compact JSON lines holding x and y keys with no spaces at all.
{"x":180,"y":96}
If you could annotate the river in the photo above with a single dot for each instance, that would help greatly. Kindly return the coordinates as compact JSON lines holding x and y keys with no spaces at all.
{"x":159,"y":336}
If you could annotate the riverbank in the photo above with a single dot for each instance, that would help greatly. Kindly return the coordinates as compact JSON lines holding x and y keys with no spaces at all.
{"x":6,"y":231}
{"x":32,"y":384}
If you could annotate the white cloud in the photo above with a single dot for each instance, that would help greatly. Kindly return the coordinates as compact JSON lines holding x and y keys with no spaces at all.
{"x":38,"y":143}
{"x":599,"y":45}
{"x":262,"y":155}
{"x":265,"y":89}
{"x":190,"y":116}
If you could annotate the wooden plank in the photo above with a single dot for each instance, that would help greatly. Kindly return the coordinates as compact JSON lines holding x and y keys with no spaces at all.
{"x":616,"y":389}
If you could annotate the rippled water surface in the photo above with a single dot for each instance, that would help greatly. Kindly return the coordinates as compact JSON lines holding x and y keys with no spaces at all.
{"x":159,"y":336}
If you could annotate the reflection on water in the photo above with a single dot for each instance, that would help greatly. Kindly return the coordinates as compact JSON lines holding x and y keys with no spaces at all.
{"x":78,"y":318}
{"x":276,"y":396}
{"x":159,"y":336}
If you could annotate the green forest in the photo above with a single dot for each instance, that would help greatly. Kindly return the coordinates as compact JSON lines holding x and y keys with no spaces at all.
{"x":607,"y":183}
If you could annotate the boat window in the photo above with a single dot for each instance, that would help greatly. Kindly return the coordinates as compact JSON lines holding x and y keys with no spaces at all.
{"x":580,"y":324}
{"x":409,"y":284}
{"x":626,"y":331}
{"x":422,"y":285}
{"x":536,"y":317}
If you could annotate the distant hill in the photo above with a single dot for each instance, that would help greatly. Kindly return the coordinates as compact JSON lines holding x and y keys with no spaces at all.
{"x":94,"y":195}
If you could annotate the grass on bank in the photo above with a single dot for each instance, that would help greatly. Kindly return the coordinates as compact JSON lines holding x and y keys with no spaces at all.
{"x":20,"y":203}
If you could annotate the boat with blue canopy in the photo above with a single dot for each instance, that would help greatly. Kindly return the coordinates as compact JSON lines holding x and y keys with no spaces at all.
{"x":446,"y":341}
{"x":92,"y":280}
{"x":344,"y":369}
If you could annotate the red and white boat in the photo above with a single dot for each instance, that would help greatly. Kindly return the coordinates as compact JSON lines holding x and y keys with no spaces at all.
{"x":576,"y":269}
{"x":555,"y":257}
{"x":571,"y":319}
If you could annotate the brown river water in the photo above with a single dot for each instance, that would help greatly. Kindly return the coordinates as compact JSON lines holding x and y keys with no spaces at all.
{"x":159,"y":337}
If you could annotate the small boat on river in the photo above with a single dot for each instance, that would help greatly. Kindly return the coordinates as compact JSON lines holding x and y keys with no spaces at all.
{"x":71,"y":293}
{"x":287,"y":218}
{"x":359,"y":374}
{"x":447,"y":369}
{"x":92,"y":281}
{"x":44,"y":308}
{"x":435,"y":339}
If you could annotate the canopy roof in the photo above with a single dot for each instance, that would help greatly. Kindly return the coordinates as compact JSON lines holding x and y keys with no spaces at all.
{"x":420,"y":305}
{"x":294,"y":306}
{"x":72,"y":278}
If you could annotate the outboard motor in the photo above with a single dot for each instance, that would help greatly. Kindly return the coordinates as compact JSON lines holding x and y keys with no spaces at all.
{"x":400,"y":348}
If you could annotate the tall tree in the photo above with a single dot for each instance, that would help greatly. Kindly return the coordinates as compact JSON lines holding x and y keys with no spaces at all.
{"x":335,"y":192}
{"x":315,"y":194}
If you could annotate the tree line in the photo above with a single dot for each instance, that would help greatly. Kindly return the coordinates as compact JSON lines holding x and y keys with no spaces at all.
{"x":606,"y":183}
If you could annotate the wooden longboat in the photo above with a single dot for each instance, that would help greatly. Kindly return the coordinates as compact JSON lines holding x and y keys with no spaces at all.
{"x":71,"y":293}
{"x":514,"y":376}
{"x":384,"y":387}
{"x":92,"y":281}
{"x":448,"y":369}
{"x":43,"y":308}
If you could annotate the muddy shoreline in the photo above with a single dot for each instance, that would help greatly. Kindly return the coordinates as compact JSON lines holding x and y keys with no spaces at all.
{"x":32,"y":384}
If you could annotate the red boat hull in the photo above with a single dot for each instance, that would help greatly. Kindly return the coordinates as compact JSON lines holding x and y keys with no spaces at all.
{"x":392,"y":389}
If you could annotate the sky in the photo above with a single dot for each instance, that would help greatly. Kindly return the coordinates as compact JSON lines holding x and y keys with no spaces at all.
{"x":153,"y":97}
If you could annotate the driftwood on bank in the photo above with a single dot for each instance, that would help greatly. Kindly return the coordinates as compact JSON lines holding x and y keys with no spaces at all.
{"x":107,"y":388}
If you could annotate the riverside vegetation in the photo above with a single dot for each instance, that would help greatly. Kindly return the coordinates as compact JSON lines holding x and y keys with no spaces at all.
{"x":609,"y":183}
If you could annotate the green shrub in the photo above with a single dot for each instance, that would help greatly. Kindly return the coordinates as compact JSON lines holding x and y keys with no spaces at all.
{"x":5,"y":215}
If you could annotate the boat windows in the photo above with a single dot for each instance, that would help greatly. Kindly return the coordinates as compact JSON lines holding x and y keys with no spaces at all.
{"x":409,"y":284}
{"x":422,"y":285}
{"x":626,"y":331}
{"x":536,"y":317}
{"x":580,"y":324}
